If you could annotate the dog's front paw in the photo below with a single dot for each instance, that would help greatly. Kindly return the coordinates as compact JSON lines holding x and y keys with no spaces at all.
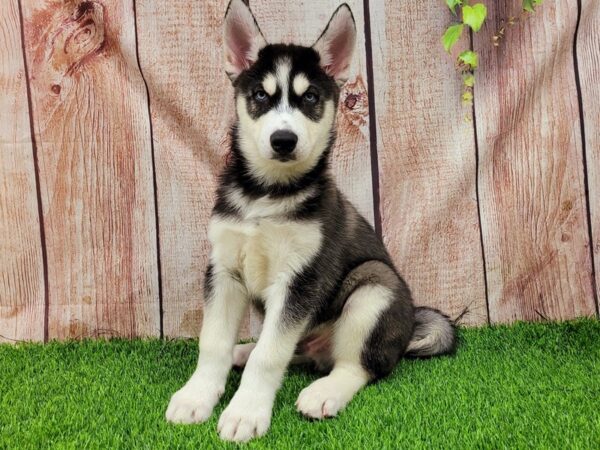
{"x":247,"y":416}
{"x":193,"y":403}
{"x":321,"y":399}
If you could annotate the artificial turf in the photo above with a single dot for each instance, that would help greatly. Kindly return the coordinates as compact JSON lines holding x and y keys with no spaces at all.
{"x":527,"y":385}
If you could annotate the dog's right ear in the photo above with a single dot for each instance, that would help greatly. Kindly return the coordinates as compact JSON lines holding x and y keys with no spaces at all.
{"x":242,"y":38}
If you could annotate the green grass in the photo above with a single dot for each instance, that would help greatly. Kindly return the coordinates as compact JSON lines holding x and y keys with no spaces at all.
{"x":529,"y":385}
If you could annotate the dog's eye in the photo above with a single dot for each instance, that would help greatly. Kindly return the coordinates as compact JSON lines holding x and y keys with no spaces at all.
{"x":310,"y":97}
{"x":261,"y":96}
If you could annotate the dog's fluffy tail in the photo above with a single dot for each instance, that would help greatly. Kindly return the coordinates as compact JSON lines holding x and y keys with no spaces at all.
{"x":434,"y":334}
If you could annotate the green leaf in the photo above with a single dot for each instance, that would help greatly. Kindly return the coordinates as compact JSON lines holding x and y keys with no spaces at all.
{"x":529,"y":5}
{"x":469,"y":58}
{"x":452,"y":35}
{"x":469,"y":80}
{"x":474,"y":15}
{"x":452,"y":4}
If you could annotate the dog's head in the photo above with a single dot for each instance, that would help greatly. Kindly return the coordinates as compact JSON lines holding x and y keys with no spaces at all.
{"x":286,"y":95}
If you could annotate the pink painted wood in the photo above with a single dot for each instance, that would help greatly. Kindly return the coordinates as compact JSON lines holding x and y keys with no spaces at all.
{"x":426,"y":161}
{"x":21,"y":267}
{"x":92,"y":130}
{"x":531,"y":175}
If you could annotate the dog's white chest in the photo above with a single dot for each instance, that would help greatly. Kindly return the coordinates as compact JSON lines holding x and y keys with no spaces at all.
{"x":261,"y":250}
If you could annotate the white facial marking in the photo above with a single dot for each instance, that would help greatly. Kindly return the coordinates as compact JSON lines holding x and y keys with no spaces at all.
{"x":270,"y":84}
{"x":282,"y":73}
{"x":300,"y":84}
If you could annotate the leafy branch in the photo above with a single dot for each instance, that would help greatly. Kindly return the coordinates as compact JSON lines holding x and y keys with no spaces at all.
{"x":473,"y":17}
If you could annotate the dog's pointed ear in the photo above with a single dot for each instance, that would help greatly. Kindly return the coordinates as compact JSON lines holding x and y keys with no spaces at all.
{"x":241,"y":37}
{"x":336,"y":44}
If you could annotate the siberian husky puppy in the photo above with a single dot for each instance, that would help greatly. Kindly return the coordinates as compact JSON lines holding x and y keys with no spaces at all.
{"x":286,"y":241}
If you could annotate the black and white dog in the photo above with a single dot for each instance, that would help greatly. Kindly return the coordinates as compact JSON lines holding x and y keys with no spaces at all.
{"x":286,"y":241}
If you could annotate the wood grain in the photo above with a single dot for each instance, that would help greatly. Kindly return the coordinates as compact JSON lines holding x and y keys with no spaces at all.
{"x":22,"y":305}
{"x":180,"y":47}
{"x":93,"y":135}
{"x":588,"y":62}
{"x":531,"y":175}
{"x":191,"y":108}
{"x":427,"y":161}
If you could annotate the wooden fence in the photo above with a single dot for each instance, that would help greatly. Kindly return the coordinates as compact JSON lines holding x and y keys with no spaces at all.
{"x":113,"y":127}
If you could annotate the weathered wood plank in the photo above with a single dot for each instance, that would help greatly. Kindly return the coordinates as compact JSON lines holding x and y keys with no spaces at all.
{"x":192,"y":109}
{"x":427,"y":161}
{"x":531,"y":175}
{"x":93,"y":136}
{"x":22,"y":305}
{"x":588,"y":61}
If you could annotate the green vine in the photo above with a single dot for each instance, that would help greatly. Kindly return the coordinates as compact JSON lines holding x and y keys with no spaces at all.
{"x":473,"y":16}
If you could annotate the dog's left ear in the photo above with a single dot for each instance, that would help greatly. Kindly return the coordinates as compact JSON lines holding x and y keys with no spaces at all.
{"x":336,"y":44}
{"x":242,"y":38}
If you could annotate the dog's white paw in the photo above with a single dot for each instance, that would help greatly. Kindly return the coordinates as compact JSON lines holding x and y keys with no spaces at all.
{"x":241,"y":353}
{"x":193,"y":403}
{"x":247,"y":416}
{"x":321,"y":399}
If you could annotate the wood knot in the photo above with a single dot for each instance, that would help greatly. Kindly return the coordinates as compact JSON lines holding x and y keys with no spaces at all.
{"x":75,"y":35}
{"x":355,"y":103}
{"x":55,"y":88}
{"x":351,"y":100}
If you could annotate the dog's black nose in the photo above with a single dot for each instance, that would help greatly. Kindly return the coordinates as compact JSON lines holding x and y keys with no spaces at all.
{"x":283,"y":142}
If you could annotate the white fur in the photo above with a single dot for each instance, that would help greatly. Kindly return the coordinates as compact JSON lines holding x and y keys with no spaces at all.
{"x":262,"y":251}
{"x":328,"y":395}
{"x":282,"y":74}
{"x":300,"y":84}
{"x":263,"y":207}
{"x":270,"y":84}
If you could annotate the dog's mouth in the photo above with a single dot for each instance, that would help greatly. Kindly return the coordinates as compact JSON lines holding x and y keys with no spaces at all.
{"x":284,"y":158}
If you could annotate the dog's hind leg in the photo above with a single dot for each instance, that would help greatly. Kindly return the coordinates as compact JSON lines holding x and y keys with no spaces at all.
{"x":365,"y":345}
